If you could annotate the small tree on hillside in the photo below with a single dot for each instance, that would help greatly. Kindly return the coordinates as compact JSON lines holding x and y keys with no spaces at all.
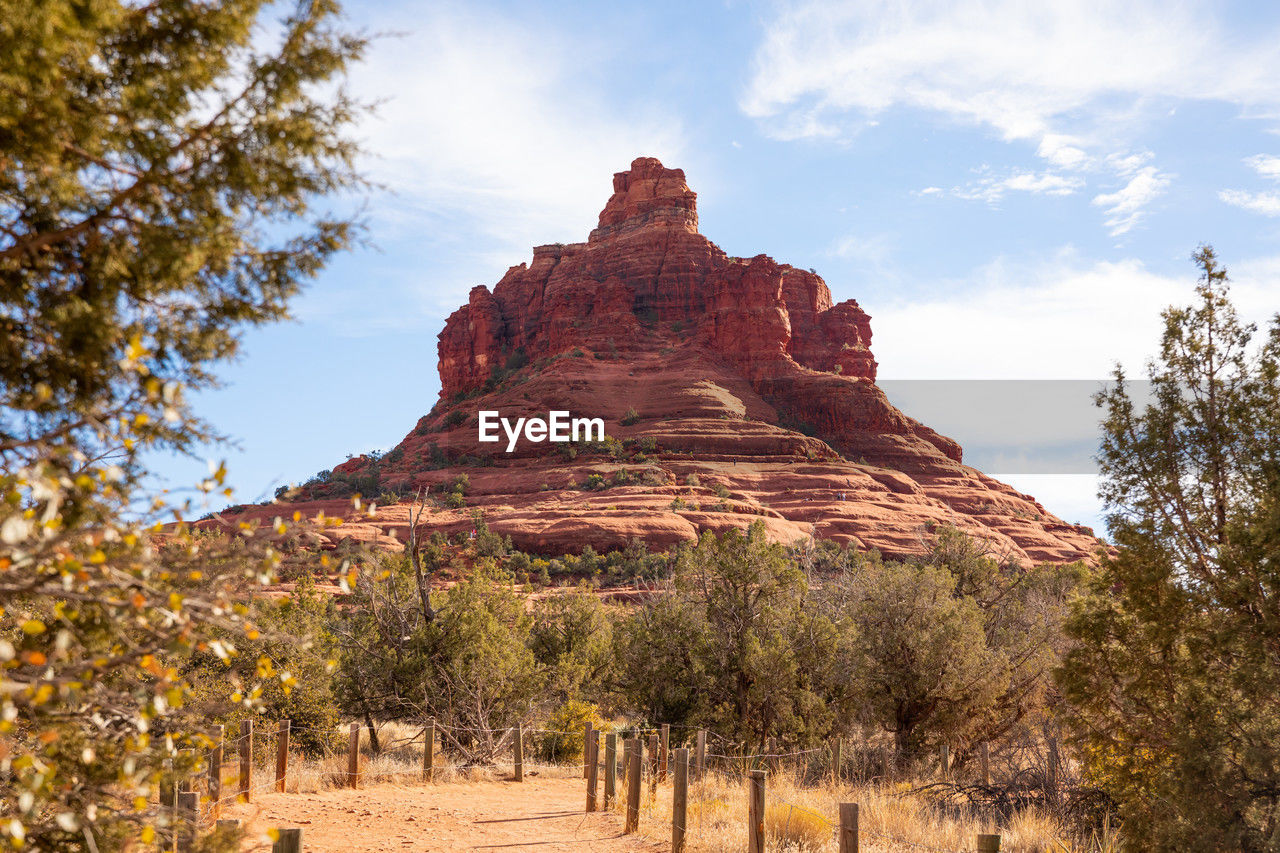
{"x":1177,"y":657}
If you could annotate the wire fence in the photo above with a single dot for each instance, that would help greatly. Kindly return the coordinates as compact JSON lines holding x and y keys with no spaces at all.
{"x":410,"y":753}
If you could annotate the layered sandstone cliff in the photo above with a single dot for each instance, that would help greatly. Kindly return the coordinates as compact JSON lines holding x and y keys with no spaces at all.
{"x":733,"y":390}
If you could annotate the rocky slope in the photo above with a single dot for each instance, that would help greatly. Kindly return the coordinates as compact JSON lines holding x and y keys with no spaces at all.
{"x":732,"y":390}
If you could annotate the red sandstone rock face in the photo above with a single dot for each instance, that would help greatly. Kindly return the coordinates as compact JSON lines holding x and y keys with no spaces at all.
{"x":741,"y":372}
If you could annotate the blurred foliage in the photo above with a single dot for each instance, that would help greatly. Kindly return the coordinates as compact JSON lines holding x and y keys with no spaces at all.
{"x":160,"y":164}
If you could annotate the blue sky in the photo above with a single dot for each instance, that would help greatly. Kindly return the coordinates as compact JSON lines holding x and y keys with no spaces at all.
{"x":1011,"y":189}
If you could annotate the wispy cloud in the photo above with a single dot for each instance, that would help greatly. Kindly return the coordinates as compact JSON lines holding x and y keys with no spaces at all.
{"x":1265,"y":165}
{"x":1143,"y":183}
{"x":991,"y":188}
{"x":1266,"y":203}
{"x":1076,"y":79}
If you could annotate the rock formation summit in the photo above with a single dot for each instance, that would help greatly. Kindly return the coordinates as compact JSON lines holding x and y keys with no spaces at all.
{"x":732,"y":390}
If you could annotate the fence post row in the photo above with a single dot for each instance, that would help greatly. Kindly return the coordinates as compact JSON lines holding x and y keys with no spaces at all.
{"x":632,"y":822}
{"x":215,"y":773}
{"x":519,"y":752}
{"x":836,"y":747}
{"x":945,"y":761}
{"x":282,"y":754}
{"x":679,"y":800}
{"x":755,"y":812}
{"x":610,"y":770}
{"x":586,"y":736}
{"x":701,"y":753}
{"x":988,"y":844}
{"x":984,"y":756}
{"x":246,"y":759}
{"x":353,"y":756}
{"x":848,"y":828}
{"x":593,"y":768}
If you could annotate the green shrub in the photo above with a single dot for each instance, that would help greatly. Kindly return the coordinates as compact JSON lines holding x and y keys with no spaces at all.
{"x":631,"y":417}
{"x":562,"y":741}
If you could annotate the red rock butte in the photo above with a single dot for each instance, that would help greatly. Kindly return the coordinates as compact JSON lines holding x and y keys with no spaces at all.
{"x":733,"y":390}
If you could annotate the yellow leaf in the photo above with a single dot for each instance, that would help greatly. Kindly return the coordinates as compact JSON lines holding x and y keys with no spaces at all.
{"x":148,"y":834}
{"x":33,"y":627}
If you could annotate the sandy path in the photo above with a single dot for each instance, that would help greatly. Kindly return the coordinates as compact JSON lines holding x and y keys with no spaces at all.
{"x":544,"y":815}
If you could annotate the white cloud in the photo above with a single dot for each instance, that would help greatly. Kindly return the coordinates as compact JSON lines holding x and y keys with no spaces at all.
{"x":1124,"y":207}
{"x":1268,"y":204}
{"x":505,"y":123}
{"x":1062,"y":151}
{"x":1021,"y":68}
{"x":1265,"y":165}
{"x":992,"y":189}
{"x":1077,"y":79}
{"x":1065,"y":317}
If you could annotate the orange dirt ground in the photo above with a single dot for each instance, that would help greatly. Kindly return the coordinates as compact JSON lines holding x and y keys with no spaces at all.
{"x":539,"y":814}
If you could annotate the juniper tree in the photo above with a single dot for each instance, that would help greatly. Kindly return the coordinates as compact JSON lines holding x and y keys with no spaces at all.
{"x":1177,"y":656}
{"x":159,"y":167}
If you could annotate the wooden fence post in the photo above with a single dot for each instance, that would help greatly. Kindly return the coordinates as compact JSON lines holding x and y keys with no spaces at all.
{"x":429,"y":751}
{"x":593,"y":769}
{"x":984,"y":757}
{"x":653,"y":764}
{"x":246,"y":759}
{"x":700,"y":754}
{"x":215,"y":773}
{"x":519,"y":752}
{"x":188,"y":815}
{"x":679,"y":800}
{"x":353,"y":757}
{"x":944,"y":761}
{"x":848,"y":828}
{"x":282,"y":755}
{"x":755,"y":812}
{"x":172,"y":791}
{"x":586,"y":736}
{"x":836,"y":748}
{"x":633,"y":788}
{"x":610,"y":770}
{"x":626,"y":763}
{"x":988,"y":844}
{"x":664,"y":756}
{"x":287,"y":841}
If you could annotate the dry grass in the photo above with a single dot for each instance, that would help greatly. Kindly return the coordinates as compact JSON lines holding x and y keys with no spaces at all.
{"x":804,"y":819}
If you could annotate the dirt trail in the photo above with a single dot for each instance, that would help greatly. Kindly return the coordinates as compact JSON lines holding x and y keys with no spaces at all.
{"x":544,"y":815}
